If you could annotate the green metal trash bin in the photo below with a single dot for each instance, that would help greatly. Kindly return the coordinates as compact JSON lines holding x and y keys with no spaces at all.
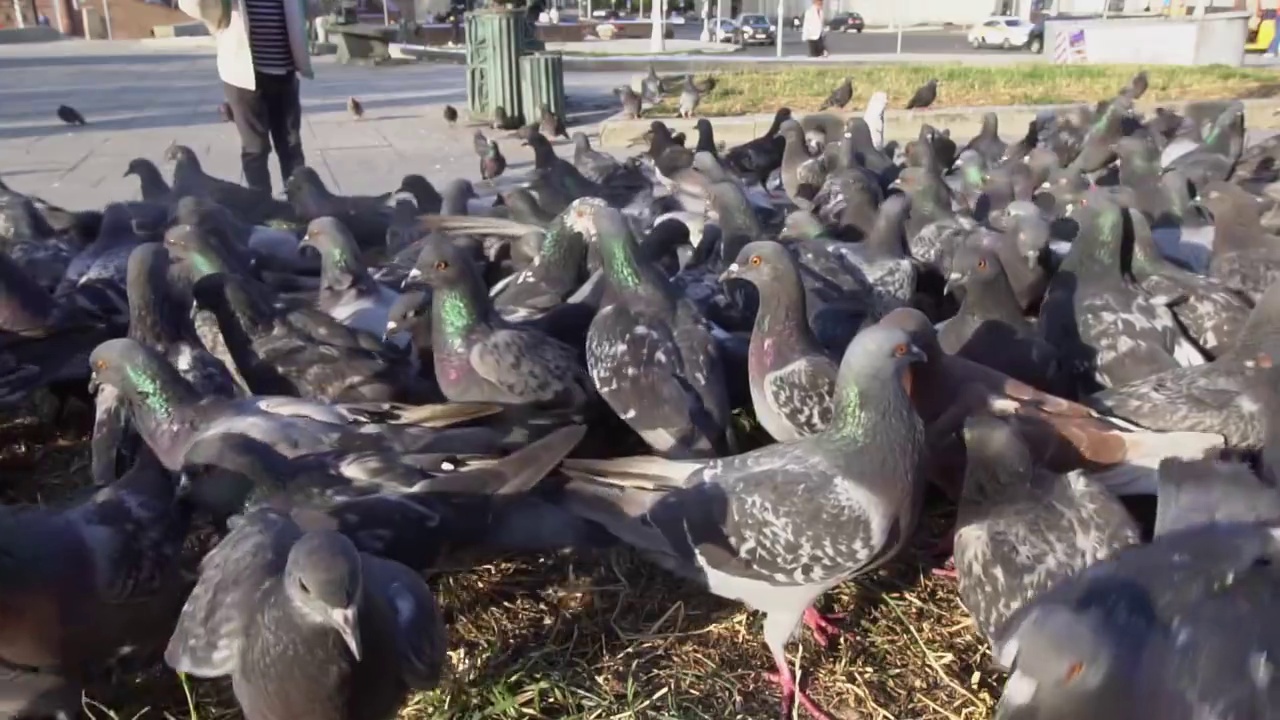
{"x":542,"y":83}
{"x":495,"y":39}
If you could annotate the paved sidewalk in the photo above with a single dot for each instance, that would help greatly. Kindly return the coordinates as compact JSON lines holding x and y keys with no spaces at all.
{"x":139,"y":98}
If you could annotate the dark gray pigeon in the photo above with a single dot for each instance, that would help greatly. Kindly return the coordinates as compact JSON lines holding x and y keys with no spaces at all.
{"x":307,"y":626}
{"x":86,"y":586}
{"x":988,"y":144}
{"x":1160,"y":630}
{"x":480,"y":358}
{"x":755,"y":160}
{"x":504,"y":121}
{"x":154,"y":187}
{"x":792,"y":379}
{"x":551,"y":125}
{"x":1244,"y":255}
{"x":924,"y":96}
{"x":1137,"y":86}
{"x":650,"y":352}
{"x":1201,"y":492}
{"x":250,"y":205}
{"x":839,"y":97}
{"x":1215,"y":158}
{"x":1021,"y":529}
{"x":802,"y":175}
{"x":450,"y":115}
{"x":777,"y":527}
{"x":651,"y":86}
{"x":347,"y":292}
{"x":70,"y":115}
{"x":689,"y":98}
{"x":1097,"y":150}
{"x":367,"y":218}
{"x":631,"y":107}
{"x":989,"y":327}
{"x":1105,"y":329}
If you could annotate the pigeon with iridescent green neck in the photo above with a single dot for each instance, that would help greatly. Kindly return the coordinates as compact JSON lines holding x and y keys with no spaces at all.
{"x":1217,"y":155}
{"x":1098,"y":147}
{"x":792,"y":379}
{"x":777,"y":527}
{"x":481,"y":358}
{"x":347,"y":292}
{"x":556,"y":272}
{"x":651,"y":353}
{"x":1106,"y":330}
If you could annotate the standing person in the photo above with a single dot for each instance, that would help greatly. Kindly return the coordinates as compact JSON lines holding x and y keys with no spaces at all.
{"x":812,"y":29}
{"x":262,"y":49}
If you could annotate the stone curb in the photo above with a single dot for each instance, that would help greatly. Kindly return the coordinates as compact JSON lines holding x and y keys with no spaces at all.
{"x":903,"y":125}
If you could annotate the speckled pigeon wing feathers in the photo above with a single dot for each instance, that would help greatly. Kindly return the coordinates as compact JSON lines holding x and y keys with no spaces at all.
{"x":555,"y":375}
{"x":207,"y":639}
{"x":803,"y":393}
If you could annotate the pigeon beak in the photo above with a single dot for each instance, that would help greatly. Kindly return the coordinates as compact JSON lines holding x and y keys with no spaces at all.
{"x":392,"y":329}
{"x":184,"y":484}
{"x":953,"y":281}
{"x":414,"y":276}
{"x":345,"y":622}
{"x":915,"y":354}
{"x":730,"y":272}
{"x":94,"y":383}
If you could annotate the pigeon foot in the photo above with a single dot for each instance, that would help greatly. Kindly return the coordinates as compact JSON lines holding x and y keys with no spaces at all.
{"x":791,"y":694}
{"x":823,"y":626}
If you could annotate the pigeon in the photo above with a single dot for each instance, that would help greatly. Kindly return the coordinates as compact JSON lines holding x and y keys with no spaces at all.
{"x":689,"y":98}
{"x":70,"y":115}
{"x":1097,"y":149}
{"x":1106,"y":331}
{"x":802,"y":175}
{"x":650,"y":352}
{"x":989,"y":327}
{"x":307,"y":626}
{"x":755,"y":160}
{"x":503,"y":121}
{"x":1137,"y":86}
{"x":777,"y":527}
{"x":492,"y":162}
{"x":367,"y":217}
{"x":450,"y":115}
{"x":225,"y":112}
{"x":706,"y":139}
{"x":478,"y":357}
{"x":631,"y":102}
{"x":551,"y":125}
{"x":793,"y":381}
{"x":1215,"y":158}
{"x":839,"y":97}
{"x":925,"y":95}
{"x":249,"y":205}
{"x":1021,"y":529}
{"x":1192,"y":493}
{"x":1173,"y":627}
{"x":347,"y":292}
{"x":86,"y":586}
{"x":355,"y":108}
{"x":988,"y":144}
{"x":154,"y":187}
{"x":651,"y":87}
{"x":1244,"y":255}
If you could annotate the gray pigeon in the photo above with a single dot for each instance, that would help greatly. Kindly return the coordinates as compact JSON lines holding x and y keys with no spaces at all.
{"x":838,"y":97}
{"x":250,"y":205}
{"x":307,"y":626}
{"x":1201,"y":492}
{"x":1137,"y":86}
{"x":650,"y":352}
{"x":366,"y":217}
{"x":792,"y":379}
{"x":631,"y":106}
{"x":153,"y":185}
{"x":1021,"y":529}
{"x":1160,"y":630}
{"x":551,"y":125}
{"x":479,"y":357}
{"x":924,"y":95}
{"x":651,"y":86}
{"x":347,"y":292}
{"x":85,"y":586}
{"x":988,"y":143}
{"x":802,"y":175}
{"x":777,"y":527}
{"x":70,"y":115}
{"x":1245,"y":256}
{"x":689,"y":98}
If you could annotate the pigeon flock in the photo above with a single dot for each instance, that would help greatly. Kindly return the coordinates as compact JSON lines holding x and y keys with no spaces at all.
{"x":751,"y":365}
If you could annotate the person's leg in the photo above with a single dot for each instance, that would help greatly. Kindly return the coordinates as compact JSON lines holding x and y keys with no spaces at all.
{"x":1275,"y":43}
{"x":286,"y":122}
{"x":822,"y":45}
{"x":250,"y":114}
{"x":813,"y":48}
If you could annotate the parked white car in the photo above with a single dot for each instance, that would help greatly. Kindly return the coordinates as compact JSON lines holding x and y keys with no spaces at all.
{"x":1001,"y":31}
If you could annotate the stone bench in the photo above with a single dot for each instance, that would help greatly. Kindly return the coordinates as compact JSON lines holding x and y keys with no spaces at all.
{"x":361,"y":41}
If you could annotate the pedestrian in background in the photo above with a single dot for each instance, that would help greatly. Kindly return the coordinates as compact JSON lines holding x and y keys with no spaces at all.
{"x":812,"y":29}
{"x":262,"y":49}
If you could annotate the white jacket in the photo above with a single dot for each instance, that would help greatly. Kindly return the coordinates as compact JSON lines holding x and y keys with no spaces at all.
{"x":235,"y":60}
{"x":813,"y":24}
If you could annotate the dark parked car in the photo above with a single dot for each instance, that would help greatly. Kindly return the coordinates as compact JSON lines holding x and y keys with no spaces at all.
{"x":754,"y":29}
{"x":1035,"y":40}
{"x":846,"y":22}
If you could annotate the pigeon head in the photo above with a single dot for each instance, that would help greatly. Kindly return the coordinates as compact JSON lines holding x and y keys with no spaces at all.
{"x":543,"y":154}
{"x":763,"y":262}
{"x":1097,"y":243}
{"x":193,"y":246}
{"x":874,"y":376}
{"x":442,"y":264}
{"x":580,"y":142}
{"x":918,"y":327}
{"x":1077,"y":660}
{"x":974,"y":265}
{"x":141,"y":375}
{"x":997,"y":460}
{"x":221,"y":472}
{"x":152,"y":316}
{"x":322,"y":578}
{"x":1231,"y":120}
{"x":180,"y":153}
{"x":142,"y":168}
{"x":792,"y":131}
{"x":424,"y":193}
{"x":456,"y":194}
{"x":406,"y":311}
{"x":339,"y":255}
{"x":305,"y":184}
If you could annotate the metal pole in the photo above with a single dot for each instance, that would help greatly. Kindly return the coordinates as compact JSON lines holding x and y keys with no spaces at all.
{"x":778,"y":36}
{"x":106,"y":15}
{"x":897,"y":20}
{"x":719,"y":19}
{"x":386,"y":12}
{"x":657,"y":43}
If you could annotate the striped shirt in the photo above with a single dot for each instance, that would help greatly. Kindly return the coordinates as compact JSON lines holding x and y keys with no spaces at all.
{"x":269,"y":37}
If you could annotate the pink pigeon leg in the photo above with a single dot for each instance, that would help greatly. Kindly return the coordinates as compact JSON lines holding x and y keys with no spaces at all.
{"x":791,"y":693}
{"x":823,"y":626}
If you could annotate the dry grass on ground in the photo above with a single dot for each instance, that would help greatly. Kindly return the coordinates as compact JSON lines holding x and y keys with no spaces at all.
{"x":609,"y":636}
{"x":804,"y":89}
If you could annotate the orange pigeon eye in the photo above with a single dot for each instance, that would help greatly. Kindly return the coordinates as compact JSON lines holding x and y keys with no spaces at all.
{"x":1264,"y":360}
{"x":982,"y":263}
{"x":442,"y":265}
{"x":1073,"y":672}
{"x":900,"y":350}
{"x":756,"y":260}
{"x":101,"y":364}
